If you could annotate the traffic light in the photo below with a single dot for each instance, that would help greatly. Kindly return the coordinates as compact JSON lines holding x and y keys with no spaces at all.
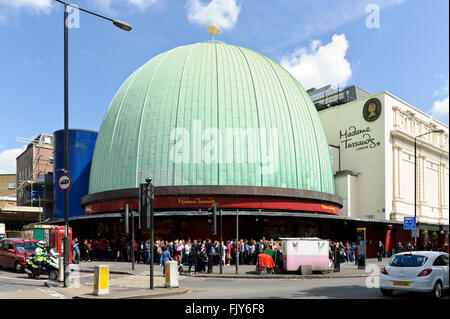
{"x":212,"y":218}
{"x":146,"y":197}
{"x":143,"y":211}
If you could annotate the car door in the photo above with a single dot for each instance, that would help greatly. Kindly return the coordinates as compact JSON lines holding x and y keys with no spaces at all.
{"x":2,"y":244}
{"x":8,"y":256}
{"x":441,"y":270}
{"x":446,"y":279}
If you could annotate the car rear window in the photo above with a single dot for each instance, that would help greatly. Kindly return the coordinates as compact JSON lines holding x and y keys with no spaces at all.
{"x":407,"y":261}
{"x":26,"y":246}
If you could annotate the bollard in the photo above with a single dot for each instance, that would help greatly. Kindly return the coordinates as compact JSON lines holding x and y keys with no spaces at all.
{"x":101,"y":280}
{"x":337,"y":265}
{"x":171,"y":269}
{"x":61,"y":269}
{"x":210,"y":264}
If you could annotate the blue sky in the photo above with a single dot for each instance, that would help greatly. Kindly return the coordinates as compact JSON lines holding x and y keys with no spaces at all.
{"x":406,"y":53}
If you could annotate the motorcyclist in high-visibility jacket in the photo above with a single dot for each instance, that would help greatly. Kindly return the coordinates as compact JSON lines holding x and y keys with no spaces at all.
{"x":39,"y":252}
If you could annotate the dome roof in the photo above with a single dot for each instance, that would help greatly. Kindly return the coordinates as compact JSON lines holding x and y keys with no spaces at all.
{"x":159,"y":125}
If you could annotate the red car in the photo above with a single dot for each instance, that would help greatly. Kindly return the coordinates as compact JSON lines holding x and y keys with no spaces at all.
{"x":13,"y":250}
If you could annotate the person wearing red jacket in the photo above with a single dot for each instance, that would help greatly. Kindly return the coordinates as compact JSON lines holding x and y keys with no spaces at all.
{"x":233,"y":252}
{"x":102,"y":249}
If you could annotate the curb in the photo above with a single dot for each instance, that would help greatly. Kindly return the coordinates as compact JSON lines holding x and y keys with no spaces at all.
{"x":249,"y":276}
{"x":56,"y":288}
{"x":117,"y":272}
{"x":179,"y":291}
{"x":279,"y":276}
{"x":172,"y":291}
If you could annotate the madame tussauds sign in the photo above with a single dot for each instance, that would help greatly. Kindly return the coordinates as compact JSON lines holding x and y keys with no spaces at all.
{"x":358,"y":139}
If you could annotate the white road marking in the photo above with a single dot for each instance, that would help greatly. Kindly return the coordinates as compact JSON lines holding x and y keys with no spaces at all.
{"x":52,"y":293}
{"x":86,"y":276}
{"x":24,"y":279}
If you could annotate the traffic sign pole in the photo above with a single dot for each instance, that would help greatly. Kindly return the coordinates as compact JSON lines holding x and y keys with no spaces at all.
{"x":64,"y":183}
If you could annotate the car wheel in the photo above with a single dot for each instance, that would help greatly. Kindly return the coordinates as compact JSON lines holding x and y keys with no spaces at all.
{"x":53,"y":275}
{"x":437,"y":290}
{"x":18,"y":267}
{"x":386,"y":292}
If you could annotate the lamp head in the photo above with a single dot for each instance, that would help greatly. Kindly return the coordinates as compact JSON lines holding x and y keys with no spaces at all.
{"x":122,"y":25}
{"x":438,"y":131}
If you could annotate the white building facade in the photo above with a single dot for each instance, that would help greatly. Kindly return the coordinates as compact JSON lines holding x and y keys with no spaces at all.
{"x":372,"y":143}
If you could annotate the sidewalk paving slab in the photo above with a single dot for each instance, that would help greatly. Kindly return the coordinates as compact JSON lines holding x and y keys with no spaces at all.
{"x":135,"y":284}
{"x":116,"y":291}
{"x":347,"y":270}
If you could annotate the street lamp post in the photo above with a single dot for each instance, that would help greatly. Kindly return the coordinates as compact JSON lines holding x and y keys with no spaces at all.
{"x":122,"y":25}
{"x":415,"y":177}
{"x":150,"y":197}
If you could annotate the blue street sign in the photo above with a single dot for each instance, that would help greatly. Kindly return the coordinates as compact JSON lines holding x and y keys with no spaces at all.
{"x":409,"y":223}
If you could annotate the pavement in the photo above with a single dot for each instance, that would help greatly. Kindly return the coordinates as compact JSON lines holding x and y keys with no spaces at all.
{"x":129,"y":283}
{"x":122,"y":288}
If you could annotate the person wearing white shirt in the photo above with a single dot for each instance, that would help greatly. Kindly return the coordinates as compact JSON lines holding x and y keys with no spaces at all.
{"x":187,"y":251}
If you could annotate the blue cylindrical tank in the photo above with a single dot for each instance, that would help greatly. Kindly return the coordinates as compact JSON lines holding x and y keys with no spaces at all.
{"x":81,"y":148}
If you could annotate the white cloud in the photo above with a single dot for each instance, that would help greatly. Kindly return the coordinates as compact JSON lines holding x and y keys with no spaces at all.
{"x":142,"y":4}
{"x":296,"y":21}
{"x":320,"y":65}
{"x":440,"y":109}
{"x":107,"y":5}
{"x":8,"y":160}
{"x":441,"y":91}
{"x":14,"y":7}
{"x":32,"y":5}
{"x":223,"y":12}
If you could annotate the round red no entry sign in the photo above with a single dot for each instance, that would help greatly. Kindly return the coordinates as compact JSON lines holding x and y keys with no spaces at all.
{"x":64,"y":182}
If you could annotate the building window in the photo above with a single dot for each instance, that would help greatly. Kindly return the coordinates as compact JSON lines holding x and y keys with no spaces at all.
{"x":12,"y":185}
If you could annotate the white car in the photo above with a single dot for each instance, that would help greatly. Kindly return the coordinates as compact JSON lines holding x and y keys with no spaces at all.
{"x":417,"y":271}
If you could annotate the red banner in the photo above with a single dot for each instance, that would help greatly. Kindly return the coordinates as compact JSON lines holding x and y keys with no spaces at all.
{"x":222,"y":202}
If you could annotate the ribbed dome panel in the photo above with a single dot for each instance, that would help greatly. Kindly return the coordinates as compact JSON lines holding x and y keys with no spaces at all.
{"x":197,"y":87}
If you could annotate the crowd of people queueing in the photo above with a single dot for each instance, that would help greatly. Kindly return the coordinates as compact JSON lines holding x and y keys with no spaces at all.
{"x":348,"y":252}
{"x":193,"y":253}
{"x":341,"y":252}
{"x":198,"y":253}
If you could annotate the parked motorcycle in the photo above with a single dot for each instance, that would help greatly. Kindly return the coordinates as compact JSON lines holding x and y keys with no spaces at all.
{"x":49,"y":266}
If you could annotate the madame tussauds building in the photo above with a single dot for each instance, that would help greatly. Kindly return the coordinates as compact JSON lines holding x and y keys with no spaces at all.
{"x":214,"y":123}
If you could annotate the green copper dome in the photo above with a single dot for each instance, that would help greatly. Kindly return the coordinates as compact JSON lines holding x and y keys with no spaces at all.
{"x":212,"y":114}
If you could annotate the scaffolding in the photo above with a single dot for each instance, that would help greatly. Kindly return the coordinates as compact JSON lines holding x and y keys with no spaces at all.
{"x":36,"y":193}
{"x":36,"y":190}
